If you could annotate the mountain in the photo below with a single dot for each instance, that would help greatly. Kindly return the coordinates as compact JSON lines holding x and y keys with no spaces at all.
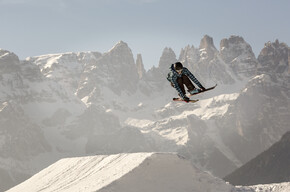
{"x":206,"y":63}
{"x":214,"y":131}
{"x":21,"y":138}
{"x":239,"y":55}
{"x":123,"y":172}
{"x":43,"y":120}
{"x":259,"y":116}
{"x":89,"y":103}
{"x":274,"y":58}
{"x":271,"y":166}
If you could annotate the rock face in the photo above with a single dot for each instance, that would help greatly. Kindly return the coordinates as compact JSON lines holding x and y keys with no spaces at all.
{"x":262,"y":112}
{"x":271,"y":166}
{"x":207,"y":48}
{"x":167,"y":58}
{"x":274,"y":58}
{"x":258,"y":117}
{"x":115,"y":70}
{"x":156,"y":77}
{"x":9,"y":62}
{"x":21,"y":138}
{"x":239,"y":55}
{"x":140,"y":66}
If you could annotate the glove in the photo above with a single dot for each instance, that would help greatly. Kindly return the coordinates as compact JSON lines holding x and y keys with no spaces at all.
{"x":186,"y":99}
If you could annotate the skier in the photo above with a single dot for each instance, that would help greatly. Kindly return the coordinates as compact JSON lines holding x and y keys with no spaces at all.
{"x":180,"y":76}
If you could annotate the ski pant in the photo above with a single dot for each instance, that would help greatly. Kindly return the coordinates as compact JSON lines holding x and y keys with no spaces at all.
{"x":184,"y":80}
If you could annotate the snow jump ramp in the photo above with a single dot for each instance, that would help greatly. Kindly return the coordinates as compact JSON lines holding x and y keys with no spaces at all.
{"x":127,"y":172}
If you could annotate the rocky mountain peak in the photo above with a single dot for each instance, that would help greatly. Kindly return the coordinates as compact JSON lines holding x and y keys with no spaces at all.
{"x":205,"y":63}
{"x":206,"y":42}
{"x":120,"y":51}
{"x":120,"y":46}
{"x":232,"y":40}
{"x":167,"y":58}
{"x":9,"y":62}
{"x":207,"y":48}
{"x":115,"y":70}
{"x":189,"y":56}
{"x":238,"y":54}
{"x":274,"y":58}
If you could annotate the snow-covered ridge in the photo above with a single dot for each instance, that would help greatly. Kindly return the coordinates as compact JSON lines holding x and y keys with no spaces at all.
{"x":140,"y":172}
{"x":174,"y":126}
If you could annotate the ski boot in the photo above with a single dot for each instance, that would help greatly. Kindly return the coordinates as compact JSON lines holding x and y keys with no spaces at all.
{"x":194,"y":91}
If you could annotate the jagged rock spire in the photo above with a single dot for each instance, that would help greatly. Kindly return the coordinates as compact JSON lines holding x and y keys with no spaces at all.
{"x":140,"y":67}
{"x":207,"y":48}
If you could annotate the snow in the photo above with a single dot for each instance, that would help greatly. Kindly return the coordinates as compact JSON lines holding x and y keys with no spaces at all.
{"x":140,"y":123}
{"x":175,"y":127}
{"x":216,"y":106}
{"x":123,"y":172}
{"x":275,"y":187}
{"x":130,"y":172}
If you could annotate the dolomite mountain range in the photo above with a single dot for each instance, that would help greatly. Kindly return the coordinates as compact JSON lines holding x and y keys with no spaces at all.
{"x":90,"y":103}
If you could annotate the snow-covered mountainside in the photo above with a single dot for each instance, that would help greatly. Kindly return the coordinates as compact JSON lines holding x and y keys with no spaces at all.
{"x":141,"y":172}
{"x":76,"y":104}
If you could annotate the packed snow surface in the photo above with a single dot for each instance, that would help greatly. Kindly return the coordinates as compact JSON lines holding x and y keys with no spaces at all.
{"x":275,"y":187}
{"x":123,"y":172}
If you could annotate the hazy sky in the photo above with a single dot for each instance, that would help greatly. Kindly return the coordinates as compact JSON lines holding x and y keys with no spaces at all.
{"x":35,"y":27}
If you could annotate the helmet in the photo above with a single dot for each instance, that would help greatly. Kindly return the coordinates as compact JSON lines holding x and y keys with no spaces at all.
{"x":178,"y":66}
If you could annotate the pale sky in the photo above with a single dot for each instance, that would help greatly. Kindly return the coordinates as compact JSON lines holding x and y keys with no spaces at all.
{"x":36,"y":27}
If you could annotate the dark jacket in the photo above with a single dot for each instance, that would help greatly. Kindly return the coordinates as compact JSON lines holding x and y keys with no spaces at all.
{"x":173,"y":75}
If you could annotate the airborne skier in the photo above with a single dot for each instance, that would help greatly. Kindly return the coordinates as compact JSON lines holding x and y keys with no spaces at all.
{"x":180,"y":76}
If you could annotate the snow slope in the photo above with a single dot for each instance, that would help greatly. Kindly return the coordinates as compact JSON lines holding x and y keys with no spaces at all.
{"x":275,"y":187}
{"x":123,"y":172}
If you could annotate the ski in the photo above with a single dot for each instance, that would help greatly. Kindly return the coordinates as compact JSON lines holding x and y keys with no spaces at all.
{"x":207,"y":89}
{"x":190,"y":101}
